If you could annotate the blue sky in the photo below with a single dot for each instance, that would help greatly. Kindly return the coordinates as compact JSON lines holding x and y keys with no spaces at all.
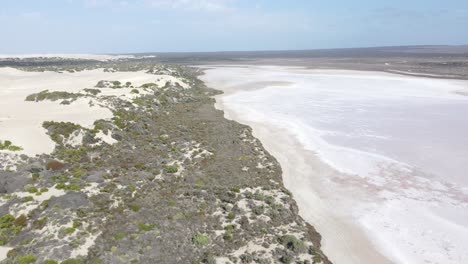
{"x":125,"y":26}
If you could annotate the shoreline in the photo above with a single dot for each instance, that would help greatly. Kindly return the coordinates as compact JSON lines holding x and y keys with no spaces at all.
{"x":296,"y":166}
{"x":351,"y":229}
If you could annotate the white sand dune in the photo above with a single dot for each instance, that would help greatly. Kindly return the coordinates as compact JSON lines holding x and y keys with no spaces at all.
{"x":376,"y":161}
{"x":99,"y":57}
{"x":21,"y":121}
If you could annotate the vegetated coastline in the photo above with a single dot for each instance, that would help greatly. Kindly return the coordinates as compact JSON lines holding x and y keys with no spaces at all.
{"x":167,"y":180}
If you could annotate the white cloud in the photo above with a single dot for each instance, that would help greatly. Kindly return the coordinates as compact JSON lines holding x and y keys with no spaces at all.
{"x":199,"y":5}
{"x":98,"y":3}
{"x":206,"y":5}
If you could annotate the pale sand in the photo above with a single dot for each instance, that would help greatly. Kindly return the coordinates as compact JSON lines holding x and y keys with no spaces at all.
{"x":21,"y":121}
{"x":4,"y":252}
{"x":99,"y":57}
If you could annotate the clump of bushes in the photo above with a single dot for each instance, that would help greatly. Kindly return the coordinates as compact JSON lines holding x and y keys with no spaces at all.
{"x":6,"y":221}
{"x":73,"y":261}
{"x":149,"y":85}
{"x":8,"y":145}
{"x":28,"y":199}
{"x":26,"y":259}
{"x":119,"y":236}
{"x":145,"y":227}
{"x":231,"y":216}
{"x":116,"y":85}
{"x":10,"y":227}
{"x":55,"y":165}
{"x":52,"y":96}
{"x":135,"y":207}
{"x":39,"y":223}
{"x":31,"y":189}
{"x":69,"y":230}
{"x":21,"y":221}
{"x":92,"y":91}
{"x":200,"y":240}
{"x":57,"y":129}
{"x":292,"y":243}
{"x":171,"y":169}
{"x":68,"y":187}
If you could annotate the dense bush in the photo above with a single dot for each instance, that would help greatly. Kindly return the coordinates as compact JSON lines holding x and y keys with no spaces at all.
{"x":292,"y":243}
{"x":200,"y":240}
{"x":73,"y":261}
{"x":52,"y":96}
{"x":145,"y":227}
{"x":171,"y":169}
{"x":8,"y":145}
{"x":55,"y":165}
{"x":27,"y":259}
{"x":92,"y":91}
{"x":149,"y":85}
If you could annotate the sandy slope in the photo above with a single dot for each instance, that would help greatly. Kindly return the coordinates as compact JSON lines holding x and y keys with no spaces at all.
{"x":99,"y":57}
{"x":21,"y":121}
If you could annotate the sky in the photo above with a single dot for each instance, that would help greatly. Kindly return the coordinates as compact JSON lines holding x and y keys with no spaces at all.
{"x":126,"y":26}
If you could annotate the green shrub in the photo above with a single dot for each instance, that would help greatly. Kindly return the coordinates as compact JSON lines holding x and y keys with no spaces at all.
{"x":135,"y":207}
{"x":229,"y":227}
{"x":54,"y":165}
{"x":50,"y":261}
{"x":145,"y":227}
{"x":8,"y":145}
{"x":227,"y":236}
{"x":52,"y":96}
{"x":35,"y":176}
{"x":12,"y":253}
{"x":69,"y":230}
{"x":119,"y":236}
{"x":171,"y":169}
{"x":92,"y":91}
{"x":76,"y":223}
{"x":56,"y":129}
{"x":269,"y":200}
{"x":21,"y":221}
{"x":39,"y":223}
{"x":134,"y":91}
{"x":149,"y":85}
{"x":60,"y":186}
{"x":73,"y":187}
{"x":6,"y":221}
{"x":73,"y":261}
{"x":131,"y":187}
{"x":27,"y":259}
{"x":200,"y":240}
{"x":231,"y":216}
{"x":292,"y":243}
{"x":31,"y":189}
{"x":28,"y":199}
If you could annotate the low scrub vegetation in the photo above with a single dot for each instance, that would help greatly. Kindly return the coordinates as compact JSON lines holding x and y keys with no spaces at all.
{"x":8,"y":145}
{"x":200,"y":240}
{"x":52,"y":96}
